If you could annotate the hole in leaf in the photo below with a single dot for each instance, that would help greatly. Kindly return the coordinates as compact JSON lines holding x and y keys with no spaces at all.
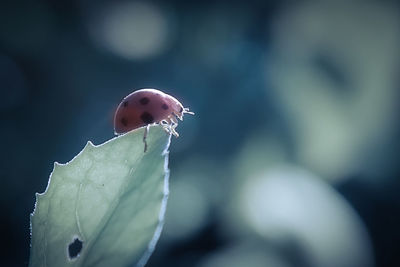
{"x":75,"y":248}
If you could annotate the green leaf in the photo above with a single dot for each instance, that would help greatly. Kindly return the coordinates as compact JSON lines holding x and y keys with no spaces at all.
{"x":106,"y":206}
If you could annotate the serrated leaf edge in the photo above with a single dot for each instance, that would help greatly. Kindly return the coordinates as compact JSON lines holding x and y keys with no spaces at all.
{"x":151,"y":247}
{"x":161,"y":216}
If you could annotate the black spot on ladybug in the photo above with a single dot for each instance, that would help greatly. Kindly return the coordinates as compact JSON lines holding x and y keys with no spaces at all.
{"x":124,"y":121}
{"x":125,"y":104}
{"x":147,"y":118}
{"x":144,"y":100}
{"x":164,"y":106}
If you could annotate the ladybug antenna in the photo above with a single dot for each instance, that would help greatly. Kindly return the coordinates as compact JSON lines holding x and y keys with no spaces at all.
{"x":186,"y":110}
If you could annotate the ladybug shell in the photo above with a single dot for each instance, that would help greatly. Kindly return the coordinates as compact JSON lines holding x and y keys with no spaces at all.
{"x":143,"y":107}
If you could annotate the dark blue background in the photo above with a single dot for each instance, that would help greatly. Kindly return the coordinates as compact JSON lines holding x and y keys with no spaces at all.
{"x":60,"y":86}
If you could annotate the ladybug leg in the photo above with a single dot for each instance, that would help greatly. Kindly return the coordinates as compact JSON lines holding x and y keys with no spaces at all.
{"x":166,"y":125}
{"x":169,"y":125}
{"x":146,"y":132}
{"x":174,"y":132}
{"x":174,"y":124}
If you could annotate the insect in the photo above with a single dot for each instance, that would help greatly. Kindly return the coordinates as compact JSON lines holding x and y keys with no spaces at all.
{"x":148,"y":106}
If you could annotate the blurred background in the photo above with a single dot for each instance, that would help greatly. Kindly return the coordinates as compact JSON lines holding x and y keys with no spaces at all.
{"x":292,"y":157}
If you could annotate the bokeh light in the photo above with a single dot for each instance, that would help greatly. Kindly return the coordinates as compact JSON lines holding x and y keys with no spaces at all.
{"x":246,"y":254}
{"x":334,"y":71}
{"x":131,"y":30}
{"x":287,"y":203}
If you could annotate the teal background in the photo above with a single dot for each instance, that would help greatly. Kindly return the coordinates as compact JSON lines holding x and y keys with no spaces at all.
{"x":272,"y":83}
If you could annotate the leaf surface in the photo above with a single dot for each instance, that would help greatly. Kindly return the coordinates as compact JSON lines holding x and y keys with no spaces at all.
{"x":106,"y":206}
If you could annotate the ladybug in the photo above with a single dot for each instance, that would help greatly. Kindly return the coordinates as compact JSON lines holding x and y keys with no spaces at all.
{"x":148,"y":106}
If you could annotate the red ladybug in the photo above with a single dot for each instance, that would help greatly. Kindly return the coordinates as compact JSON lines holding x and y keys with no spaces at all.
{"x":148,"y":106}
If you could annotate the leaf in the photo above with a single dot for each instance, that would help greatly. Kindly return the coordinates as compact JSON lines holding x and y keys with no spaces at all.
{"x":106,"y":206}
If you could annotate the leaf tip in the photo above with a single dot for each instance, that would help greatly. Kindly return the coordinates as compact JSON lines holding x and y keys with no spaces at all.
{"x":89,"y":144}
{"x":56,"y":164}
